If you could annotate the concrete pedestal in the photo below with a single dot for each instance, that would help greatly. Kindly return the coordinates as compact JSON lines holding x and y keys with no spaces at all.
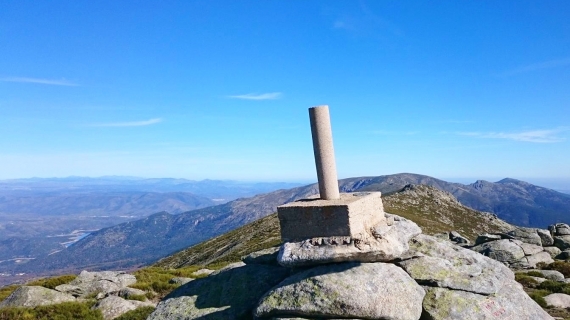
{"x":352,"y":215}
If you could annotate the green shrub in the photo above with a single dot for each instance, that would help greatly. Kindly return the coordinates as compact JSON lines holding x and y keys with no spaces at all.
{"x":538,"y":298}
{"x":535,"y":274}
{"x":156,"y":279}
{"x":554,"y":287}
{"x":137,"y":314}
{"x":526,"y":280}
{"x":61,"y":311}
{"x":51,"y":283}
{"x":138,"y":297}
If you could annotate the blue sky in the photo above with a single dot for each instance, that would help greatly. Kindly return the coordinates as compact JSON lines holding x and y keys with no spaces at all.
{"x":220,"y":89}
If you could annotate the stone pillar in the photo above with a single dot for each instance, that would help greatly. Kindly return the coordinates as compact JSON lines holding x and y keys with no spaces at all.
{"x":324,"y":152}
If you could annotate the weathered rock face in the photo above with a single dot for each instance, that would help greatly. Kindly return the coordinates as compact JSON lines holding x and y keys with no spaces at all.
{"x":560,"y":229}
{"x":442,"y":264}
{"x":510,"y":302}
{"x":346,"y":290}
{"x":482,"y":238}
{"x":507,"y":251}
{"x":386,"y":244}
{"x":526,"y":235}
{"x":545,"y":237}
{"x":228,"y":294}
{"x":33,"y":296}
{"x":553,"y":251}
{"x":558,"y":300}
{"x":562,"y":242}
{"x":564,"y":254}
{"x":462,"y":284}
{"x":113,"y":306}
{"x":97,"y":282}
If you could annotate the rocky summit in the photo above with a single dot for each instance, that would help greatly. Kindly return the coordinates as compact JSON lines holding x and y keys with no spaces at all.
{"x":399,"y":274}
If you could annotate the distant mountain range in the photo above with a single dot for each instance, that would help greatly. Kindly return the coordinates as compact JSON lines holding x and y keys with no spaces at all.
{"x":143,"y":241}
{"x":217,"y":190}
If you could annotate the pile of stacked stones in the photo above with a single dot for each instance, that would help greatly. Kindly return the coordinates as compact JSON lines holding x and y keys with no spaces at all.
{"x":110,"y":288}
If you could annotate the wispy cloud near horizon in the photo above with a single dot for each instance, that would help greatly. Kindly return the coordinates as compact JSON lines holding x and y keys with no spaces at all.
{"x":40,"y":81}
{"x":255,"y":96}
{"x":537,"y":66}
{"x":535,"y":136}
{"x":129,"y":124}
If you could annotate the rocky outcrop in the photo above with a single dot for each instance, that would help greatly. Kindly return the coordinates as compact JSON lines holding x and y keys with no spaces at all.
{"x":520,"y":248}
{"x":97,"y":282}
{"x":432,"y":279}
{"x":562,"y":242}
{"x":108,"y":287}
{"x":561,"y":235}
{"x":444,"y":265}
{"x":33,"y":296}
{"x":345,"y":290}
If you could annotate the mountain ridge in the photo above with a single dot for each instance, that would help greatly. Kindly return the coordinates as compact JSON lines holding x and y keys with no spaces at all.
{"x":140,"y":241}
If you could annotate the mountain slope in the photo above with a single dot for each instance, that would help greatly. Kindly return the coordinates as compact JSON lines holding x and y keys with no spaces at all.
{"x":142,"y":241}
{"x":433,"y":210}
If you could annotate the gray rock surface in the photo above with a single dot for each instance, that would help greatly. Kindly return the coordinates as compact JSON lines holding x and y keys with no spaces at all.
{"x":386,"y":244}
{"x":511,"y":302}
{"x":562,"y":242}
{"x":507,"y":251}
{"x":562,"y":229}
{"x":33,"y":296}
{"x":202,"y":273}
{"x":230,"y":294}
{"x":558,"y":300}
{"x":486,"y":237}
{"x":265,"y":256}
{"x":105,"y":282}
{"x":545,"y":237}
{"x":531,"y":249}
{"x":526,"y":235}
{"x":533,"y":260}
{"x":454,"y":236}
{"x":553,"y":251}
{"x":447,"y":274}
{"x":346,"y":290}
{"x":564,"y":254}
{"x":439,"y":263}
{"x":112,"y":306}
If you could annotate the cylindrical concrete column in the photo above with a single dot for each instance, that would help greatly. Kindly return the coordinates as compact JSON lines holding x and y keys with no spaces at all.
{"x":324,"y":152}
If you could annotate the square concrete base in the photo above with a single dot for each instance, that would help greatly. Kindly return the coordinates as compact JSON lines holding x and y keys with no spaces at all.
{"x":353,"y":215}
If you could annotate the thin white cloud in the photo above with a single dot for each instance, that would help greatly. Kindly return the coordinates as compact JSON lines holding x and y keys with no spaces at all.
{"x":536,"y":136}
{"x":129,"y":124}
{"x":255,"y":96}
{"x":394,"y":133}
{"x":537,"y":66}
{"x":40,"y":81}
